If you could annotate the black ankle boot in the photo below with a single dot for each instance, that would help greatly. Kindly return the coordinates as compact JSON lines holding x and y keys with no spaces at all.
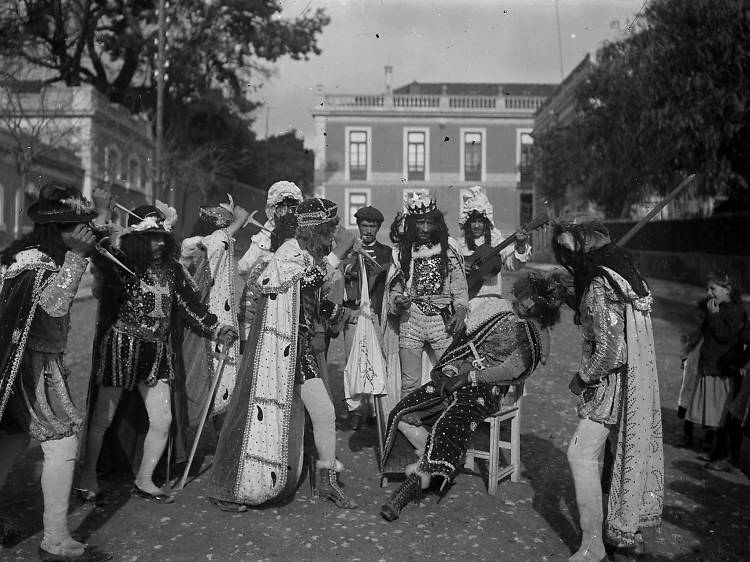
{"x":328,"y":488}
{"x":410,"y":490}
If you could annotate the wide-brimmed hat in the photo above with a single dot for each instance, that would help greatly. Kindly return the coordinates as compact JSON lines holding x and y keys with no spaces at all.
{"x":63,"y":203}
{"x":314,"y":212}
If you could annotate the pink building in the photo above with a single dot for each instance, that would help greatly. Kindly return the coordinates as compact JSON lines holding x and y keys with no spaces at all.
{"x":439,"y":137}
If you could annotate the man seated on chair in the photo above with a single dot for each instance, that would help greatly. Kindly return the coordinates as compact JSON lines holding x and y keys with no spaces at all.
{"x":502,"y":345}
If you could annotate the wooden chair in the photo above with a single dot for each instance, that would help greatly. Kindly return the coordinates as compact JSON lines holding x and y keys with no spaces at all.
{"x":510,"y":410}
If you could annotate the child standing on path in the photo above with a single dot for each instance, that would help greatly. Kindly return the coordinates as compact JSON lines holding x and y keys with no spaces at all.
{"x":707,"y":401}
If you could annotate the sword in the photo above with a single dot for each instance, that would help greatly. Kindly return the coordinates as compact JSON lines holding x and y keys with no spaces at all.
{"x":251,"y":220}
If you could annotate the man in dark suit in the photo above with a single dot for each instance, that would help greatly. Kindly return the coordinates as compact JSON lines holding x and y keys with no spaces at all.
{"x":369,"y":220}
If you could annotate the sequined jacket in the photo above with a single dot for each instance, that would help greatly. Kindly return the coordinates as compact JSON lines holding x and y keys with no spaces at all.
{"x":35,"y":299}
{"x":426,"y":286}
{"x":604,"y":353}
{"x":506,"y":350}
{"x":146,"y":305}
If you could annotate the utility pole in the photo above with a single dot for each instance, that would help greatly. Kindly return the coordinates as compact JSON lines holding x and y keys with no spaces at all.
{"x":160,"y":66}
{"x":559,"y":40}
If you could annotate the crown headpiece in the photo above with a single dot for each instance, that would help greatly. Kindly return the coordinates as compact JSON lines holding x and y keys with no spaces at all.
{"x":420,"y":204}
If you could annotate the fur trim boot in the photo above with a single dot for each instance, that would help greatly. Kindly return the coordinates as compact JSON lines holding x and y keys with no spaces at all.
{"x":328,"y":484}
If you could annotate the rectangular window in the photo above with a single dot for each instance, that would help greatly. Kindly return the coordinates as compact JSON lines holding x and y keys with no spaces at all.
{"x":358,"y":155}
{"x":415,"y":155}
{"x":355,"y":200}
{"x":472,"y":156}
{"x":526,"y":210}
{"x":526,"y":151}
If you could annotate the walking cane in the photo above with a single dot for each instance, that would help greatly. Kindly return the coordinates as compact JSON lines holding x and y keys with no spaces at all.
{"x":204,"y":414}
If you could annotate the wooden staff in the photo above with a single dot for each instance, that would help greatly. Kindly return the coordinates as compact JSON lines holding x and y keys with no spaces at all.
{"x":663,"y":203}
{"x":204,"y":414}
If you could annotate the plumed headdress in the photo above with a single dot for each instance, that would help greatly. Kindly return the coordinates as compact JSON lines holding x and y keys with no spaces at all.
{"x":220,"y":216}
{"x":63,"y":203}
{"x":579,"y":233}
{"x":151,"y":218}
{"x":477,"y":202}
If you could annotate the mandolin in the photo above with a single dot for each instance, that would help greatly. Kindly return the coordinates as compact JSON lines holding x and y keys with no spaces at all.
{"x":486,"y":260}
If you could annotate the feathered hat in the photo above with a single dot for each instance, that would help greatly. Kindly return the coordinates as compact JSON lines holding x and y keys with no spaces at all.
{"x":157,"y":218}
{"x":579,"y":233}
{"x":476,"y":202}
{"x":220,"y":216}
{"x":63,"y":203}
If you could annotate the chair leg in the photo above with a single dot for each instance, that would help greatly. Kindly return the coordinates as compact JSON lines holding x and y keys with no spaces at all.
{"x":494,"y":460}
{"x":469,"y":461}
{"x":515,"y":447}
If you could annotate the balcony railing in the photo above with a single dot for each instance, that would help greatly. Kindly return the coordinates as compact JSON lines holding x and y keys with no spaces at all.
{"x":437,"y":103}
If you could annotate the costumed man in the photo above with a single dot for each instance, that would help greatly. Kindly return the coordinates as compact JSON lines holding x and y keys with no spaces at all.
{"x":39,"y":278}
{"x":480,"y":234}
{"x":617,"y":389}
{"x":427,"y":295}
{"x":283,"y":198}
{"x":502,"y":345}
{"x":369,"y":220}
{"x":259,"y":455}
{"x":208,"y":255}
{"x":138,"y":313}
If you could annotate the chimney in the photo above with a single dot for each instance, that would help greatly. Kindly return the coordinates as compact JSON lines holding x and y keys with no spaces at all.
{"x":388,"y":76}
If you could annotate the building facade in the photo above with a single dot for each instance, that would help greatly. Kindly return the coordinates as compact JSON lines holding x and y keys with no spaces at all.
{"x":442,"y":138}
{"x":112,"y":148}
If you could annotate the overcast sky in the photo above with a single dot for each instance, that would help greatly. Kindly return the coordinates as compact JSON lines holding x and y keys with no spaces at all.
{"x":434,"y":41}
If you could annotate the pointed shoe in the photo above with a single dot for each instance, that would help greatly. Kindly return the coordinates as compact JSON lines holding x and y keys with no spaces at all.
{"x":90,"y":554}
{"x":161,"y":497}
{"x":329,"y":489}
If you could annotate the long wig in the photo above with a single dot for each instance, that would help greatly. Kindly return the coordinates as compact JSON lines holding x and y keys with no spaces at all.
{"x":45,"y":237}
{"x":471,"y":243}
{"x":408,"y":239}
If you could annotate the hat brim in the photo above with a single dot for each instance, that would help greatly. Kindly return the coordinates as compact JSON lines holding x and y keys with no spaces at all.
{"x":45,"y":217}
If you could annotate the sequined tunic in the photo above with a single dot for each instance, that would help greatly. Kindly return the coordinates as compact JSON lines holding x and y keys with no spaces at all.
{"x":136,"y":348}
{"x":604,"y":354}
{"x":40,"y":403}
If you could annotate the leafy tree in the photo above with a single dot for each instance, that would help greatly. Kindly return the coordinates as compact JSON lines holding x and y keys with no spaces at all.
{"x":282,"y":157}
{"x":669,"y":99}
{"x":212,"y":44}
{"x":218,"y":52}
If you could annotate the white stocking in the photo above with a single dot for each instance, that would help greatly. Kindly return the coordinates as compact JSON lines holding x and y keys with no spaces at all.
{"x":159,"y":408}
{"x":57,"y":479}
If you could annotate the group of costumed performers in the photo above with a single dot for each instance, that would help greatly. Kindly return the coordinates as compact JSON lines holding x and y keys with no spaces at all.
{"x":208,"y":255}
{"x":258,"y":459}
{"x":39,"y":277}
{"x":140,"y":309}
{"x":479,"y":231}
{"x":303,"y":280}
{"x":427,"y":298}
{"x":369,"y":220}
{"x":618,"y":393}
{"x":502,"y":346}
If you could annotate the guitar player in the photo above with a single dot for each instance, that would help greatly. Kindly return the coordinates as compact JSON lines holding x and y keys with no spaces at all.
{"x":480,"y":235}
